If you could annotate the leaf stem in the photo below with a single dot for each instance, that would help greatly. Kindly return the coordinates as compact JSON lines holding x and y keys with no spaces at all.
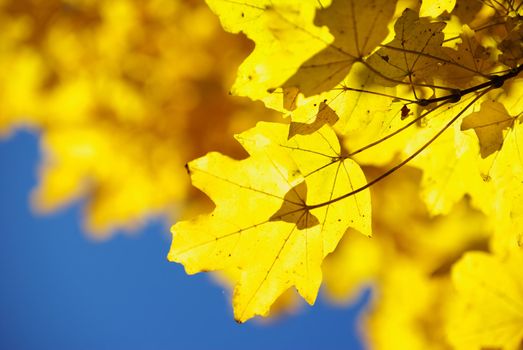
{"x":495,"y":81}
{"x":407,"y":160}
{"x":386,"y":137}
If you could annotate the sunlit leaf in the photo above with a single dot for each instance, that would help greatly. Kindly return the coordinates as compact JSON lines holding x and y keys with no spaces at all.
{"x":284,"y":34}
{"x":358,"y":28}
{"x":489,"y":124}
{"x":278,"y":214}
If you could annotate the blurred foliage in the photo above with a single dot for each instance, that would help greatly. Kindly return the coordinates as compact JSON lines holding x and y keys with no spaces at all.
{"x":123,"y":93}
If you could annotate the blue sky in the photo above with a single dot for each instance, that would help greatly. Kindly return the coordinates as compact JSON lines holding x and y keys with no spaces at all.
{"x":60,"y":290}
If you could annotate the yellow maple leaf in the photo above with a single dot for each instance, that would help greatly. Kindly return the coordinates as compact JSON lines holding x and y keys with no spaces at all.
{"x":358,"y":28}
{"x":413,"y":54}
{"x":278,"y":214}
{"x":287,"y":303}
{"x":489,"y":314}
{"x":489,"y":124}
{"x":284,"y":34}
{"x":466,"y":65}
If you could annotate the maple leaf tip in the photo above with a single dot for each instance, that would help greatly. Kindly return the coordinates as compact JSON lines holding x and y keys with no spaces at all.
{"x":168,"y":257}
{"x":311,"y":300}
{"x":239,"y":317}
{"x":190,"y":270}
{"x":171,"y":257}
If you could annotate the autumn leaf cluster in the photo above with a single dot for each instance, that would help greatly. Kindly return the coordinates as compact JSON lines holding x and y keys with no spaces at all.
{"x":402,"y":123}
{"x":389,"y":155}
